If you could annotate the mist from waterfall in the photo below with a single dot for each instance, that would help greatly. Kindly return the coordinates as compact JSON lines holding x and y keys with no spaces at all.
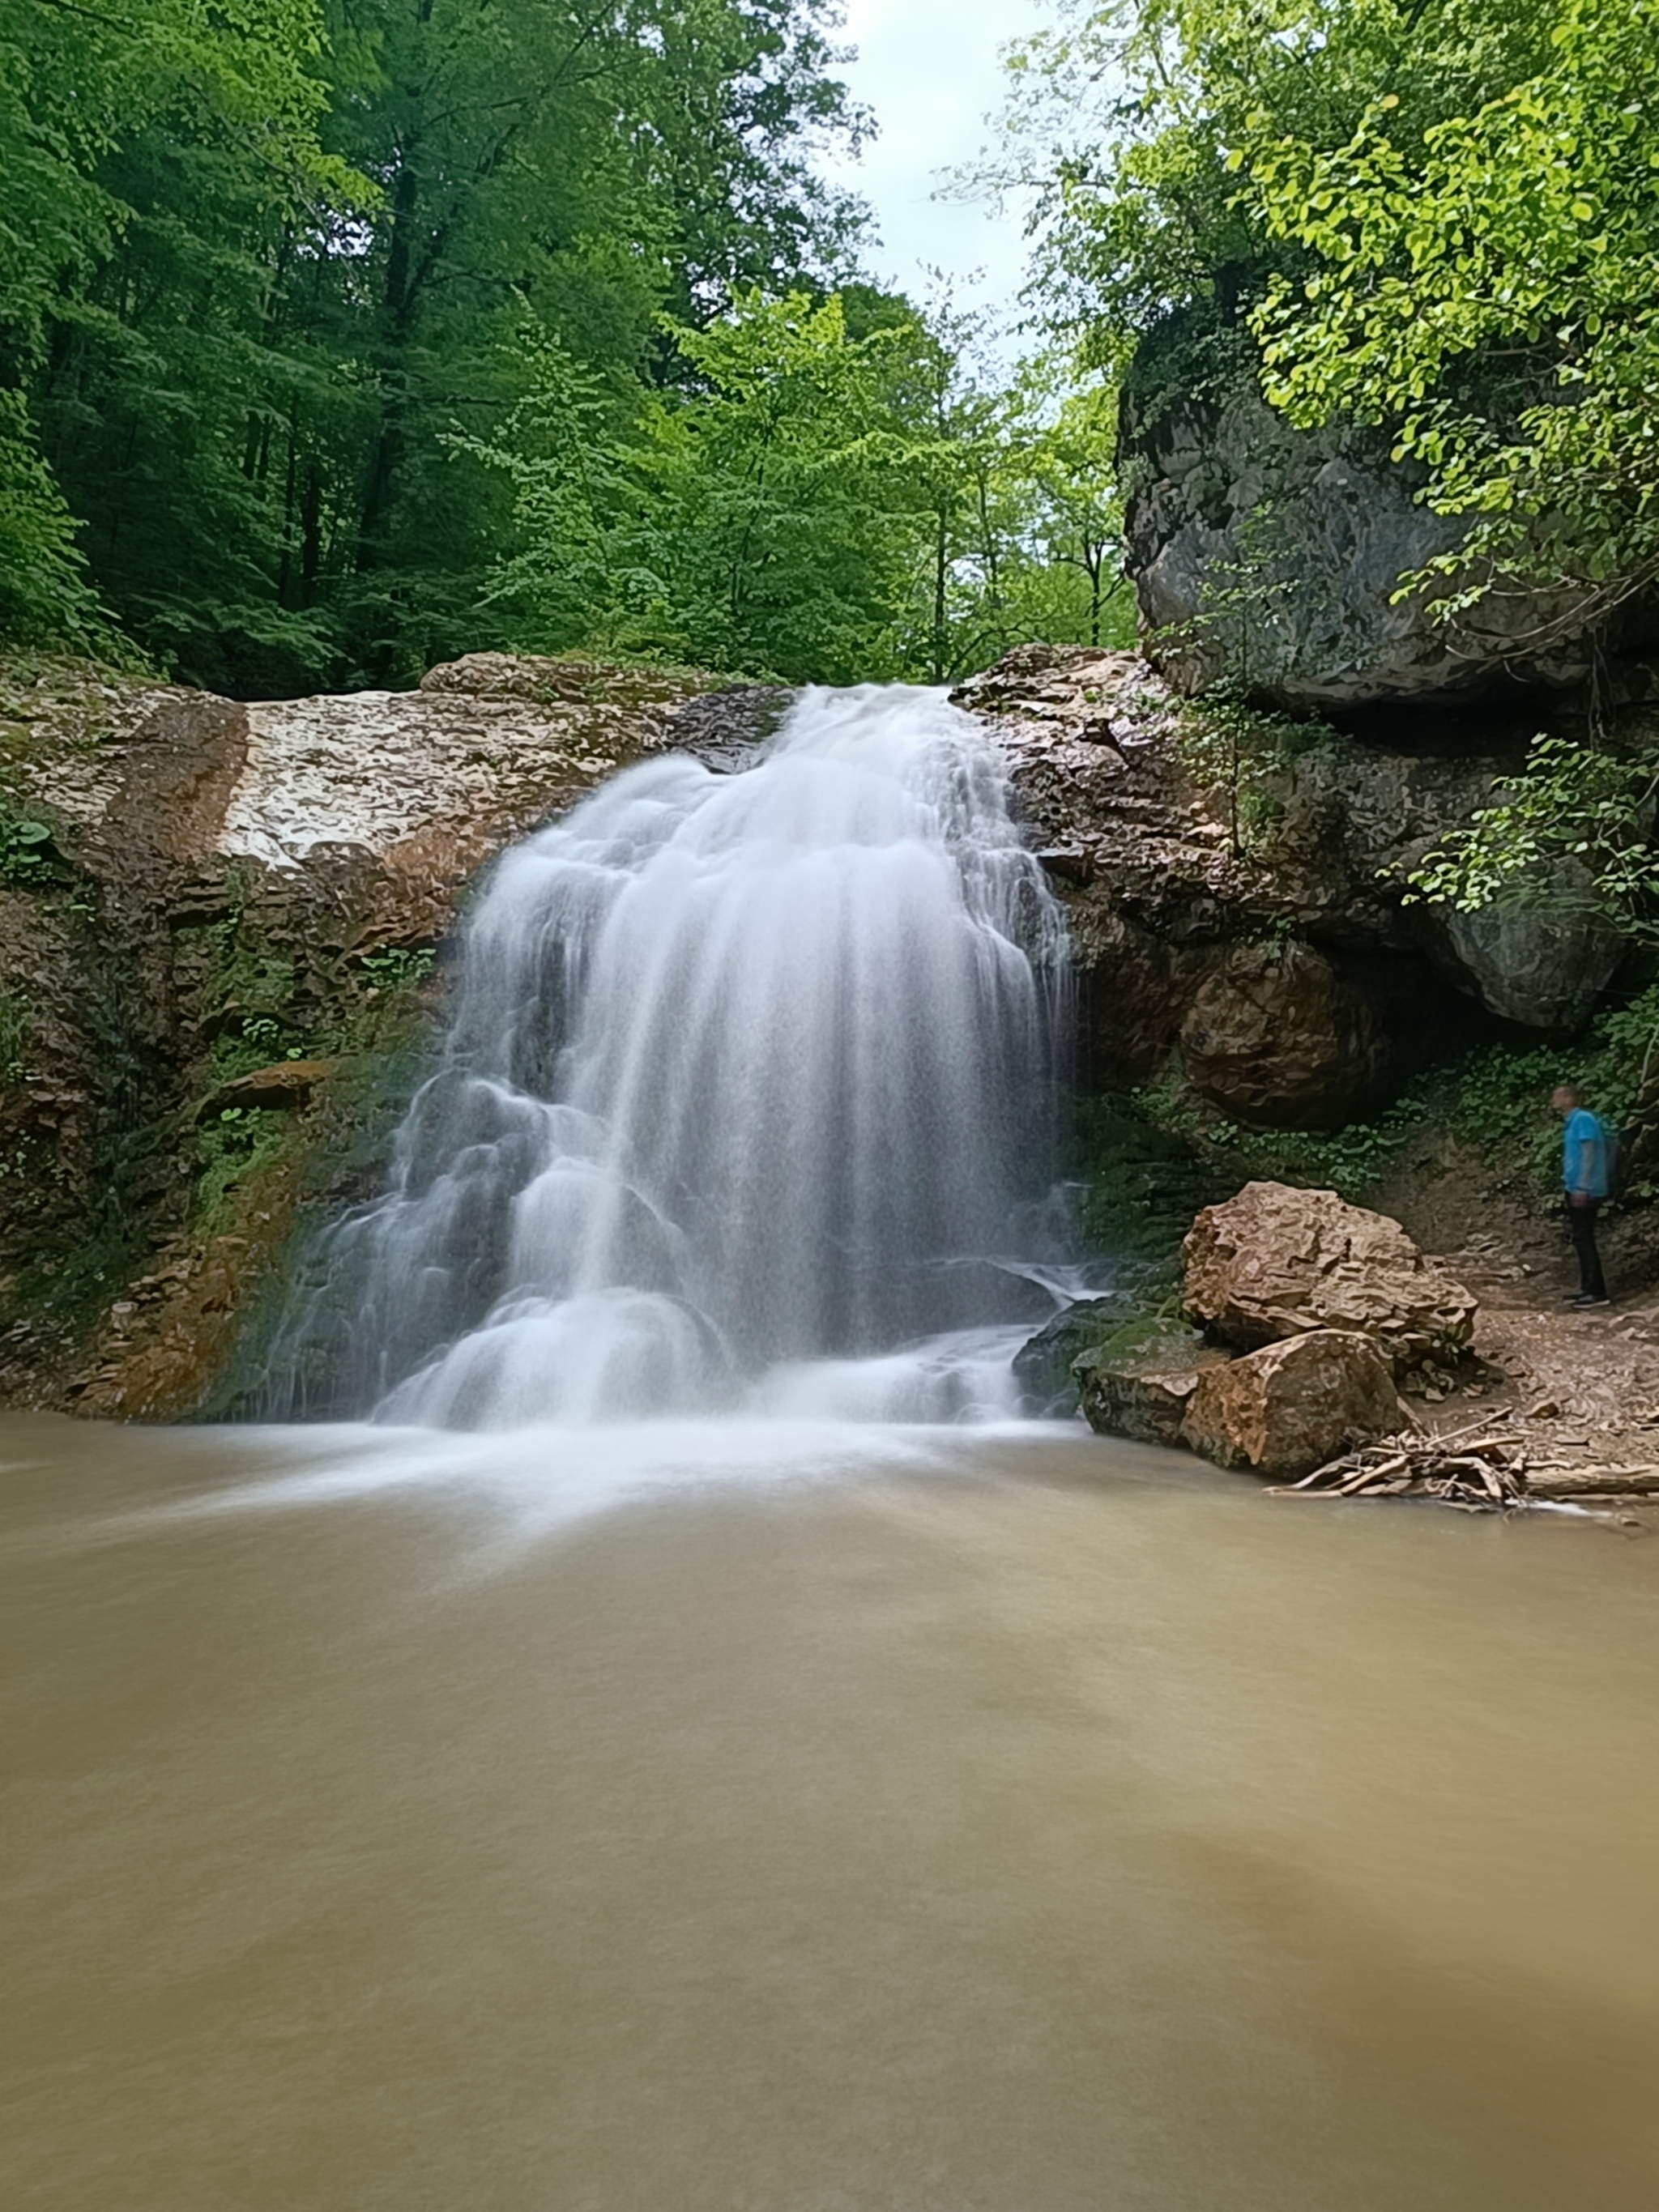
{"x":745,"y":1104}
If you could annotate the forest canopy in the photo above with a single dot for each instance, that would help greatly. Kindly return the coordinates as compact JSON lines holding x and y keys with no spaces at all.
{"x":338,"y":336}
{"x":1441,"y":218}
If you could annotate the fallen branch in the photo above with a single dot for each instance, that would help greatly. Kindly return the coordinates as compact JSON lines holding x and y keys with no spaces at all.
{"x":1475,"y":1471}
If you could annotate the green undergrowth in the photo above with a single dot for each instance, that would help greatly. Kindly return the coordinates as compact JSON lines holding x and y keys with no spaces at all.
{"x":1243,"y":756}
{"x":1135,"y":1183}
{"x":1503,"y":1096}
{"x":1351,"y":1161}
{"x":370,"y":1042}
{"x":1143,"y":1163}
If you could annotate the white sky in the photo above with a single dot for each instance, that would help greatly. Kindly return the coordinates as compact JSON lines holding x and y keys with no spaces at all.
{"x":929,"y":70}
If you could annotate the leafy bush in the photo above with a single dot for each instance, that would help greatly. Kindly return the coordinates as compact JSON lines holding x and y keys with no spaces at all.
{"x":1503,"y":1097}
{"x":25,"y":850}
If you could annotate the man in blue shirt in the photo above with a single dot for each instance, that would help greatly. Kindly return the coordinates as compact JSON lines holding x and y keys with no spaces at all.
{"x":1584,"y":1179}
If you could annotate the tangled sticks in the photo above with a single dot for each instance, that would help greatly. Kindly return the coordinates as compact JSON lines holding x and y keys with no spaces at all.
{"x":1477,"y":1469}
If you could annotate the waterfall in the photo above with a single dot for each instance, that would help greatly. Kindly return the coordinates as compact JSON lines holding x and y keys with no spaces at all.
{"x":745,"y":1103}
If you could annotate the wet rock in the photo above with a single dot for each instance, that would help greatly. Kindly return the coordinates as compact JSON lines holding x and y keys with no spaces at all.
{"x":1275,"y":1262}
{"x":282,"y":1086}
{"x":1043,"y":1365}
{"x":1545,"y":968}
{"x":1140,"y":1382}
{"x":1277,"y":1038}
{"x":1291,"y":1406}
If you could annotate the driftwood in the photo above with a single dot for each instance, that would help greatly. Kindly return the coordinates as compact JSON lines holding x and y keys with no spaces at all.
{"x":1483,"y":1468}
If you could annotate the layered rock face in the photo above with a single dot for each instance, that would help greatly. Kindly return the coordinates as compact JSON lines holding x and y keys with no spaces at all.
{"x":215,"y":873}
{"x":1270,"y":557}
{"x":1251,"y":909}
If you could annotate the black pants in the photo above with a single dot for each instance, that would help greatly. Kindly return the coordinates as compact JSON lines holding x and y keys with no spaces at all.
{"x":1581,"y":1219}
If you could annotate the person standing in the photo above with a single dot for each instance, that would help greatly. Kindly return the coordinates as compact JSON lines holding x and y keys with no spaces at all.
{"x":1584,"y":1179}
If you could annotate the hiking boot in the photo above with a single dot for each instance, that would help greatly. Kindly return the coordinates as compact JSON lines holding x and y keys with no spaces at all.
{"x":1589,"y":1298}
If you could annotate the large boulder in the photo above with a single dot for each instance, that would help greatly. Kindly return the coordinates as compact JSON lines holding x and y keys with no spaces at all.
{"x":1275,"y":1262}
{"x":1543,"y":967}
{"x":1140,"y":1382}
{"x":1270,"y":557}
{"x":1288,"y":1408}
{"x":1276,"y":1038}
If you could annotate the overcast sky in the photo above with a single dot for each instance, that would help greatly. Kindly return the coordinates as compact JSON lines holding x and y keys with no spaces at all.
{"x":929,"y":70}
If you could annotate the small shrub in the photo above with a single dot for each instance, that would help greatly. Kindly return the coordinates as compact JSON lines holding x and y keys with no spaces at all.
{"x":26,"y":854}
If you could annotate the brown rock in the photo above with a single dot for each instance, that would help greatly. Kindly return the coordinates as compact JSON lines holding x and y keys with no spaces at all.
{"x":1288,"y":1408}
{"x":1274,"y":1261}
{"x":288,"y":1083}
{"x":1140,"y":1382}
{"x":1278,"y":1039}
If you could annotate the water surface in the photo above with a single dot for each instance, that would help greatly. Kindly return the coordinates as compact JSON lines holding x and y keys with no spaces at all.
{"x":808,"y":1819}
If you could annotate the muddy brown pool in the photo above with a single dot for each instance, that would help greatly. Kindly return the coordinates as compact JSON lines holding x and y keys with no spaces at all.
{"x":811,"y":1819}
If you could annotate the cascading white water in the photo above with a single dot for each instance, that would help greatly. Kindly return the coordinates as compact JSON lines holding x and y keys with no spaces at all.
{"x":745,"y":1103}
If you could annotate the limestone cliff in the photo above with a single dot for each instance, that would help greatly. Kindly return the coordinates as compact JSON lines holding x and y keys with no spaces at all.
{"x":1270,"y":558}
{"x":199,"y":899}
{"x":221,"y":930}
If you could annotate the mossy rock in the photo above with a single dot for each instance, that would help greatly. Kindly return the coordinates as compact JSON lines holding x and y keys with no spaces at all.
{"x":1138,"y":1381}
{"x":1043,"y":1365}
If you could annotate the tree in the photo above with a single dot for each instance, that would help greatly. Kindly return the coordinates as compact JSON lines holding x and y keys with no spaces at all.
{"x":264,"y":258}
{"x":1439,"y":219}
{"x":756,"y":515}
{"x":76,"y":84}
{"x":1490,"y":284}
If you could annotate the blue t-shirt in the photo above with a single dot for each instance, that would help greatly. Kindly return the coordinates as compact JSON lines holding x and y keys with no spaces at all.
{"x":1584,"y":1130}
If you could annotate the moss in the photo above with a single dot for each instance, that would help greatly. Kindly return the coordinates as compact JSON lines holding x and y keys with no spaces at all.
{"x":1136,"y":1182}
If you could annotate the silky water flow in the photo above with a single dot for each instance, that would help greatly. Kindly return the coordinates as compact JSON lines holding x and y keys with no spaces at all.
{"x":746,"y":1102}
{"x":799,"y":1813}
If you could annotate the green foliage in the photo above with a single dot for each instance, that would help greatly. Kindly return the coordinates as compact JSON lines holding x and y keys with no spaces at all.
{"x":400,"y":967}
{"x":44,"y":594}
{"x":1572,"y":835}
{"x":1139,"y":118}
{"x":826,"y":490}
{"x":14,"y":1032}
{"x":235,"y":1145}
{"x":1136,"y":1181}
{"x":1440,"y":221}
{"x":258,"y":261}
{"x":1503,"y":1095}
{"x":1350,"y":1161}
{"x":25,"y":851}
{"x":1487,"y":281}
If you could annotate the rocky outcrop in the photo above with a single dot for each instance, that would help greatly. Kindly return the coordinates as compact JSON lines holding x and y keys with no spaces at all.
{"x":1139,"y":1383}
{"x":1240,"y":890}
{"x":229,"y":921}
{"x":1275,"y":1262}
{"x":1288,"y":1408}
{"x":1270,"y":557}
{"x":1278,"y":1039}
